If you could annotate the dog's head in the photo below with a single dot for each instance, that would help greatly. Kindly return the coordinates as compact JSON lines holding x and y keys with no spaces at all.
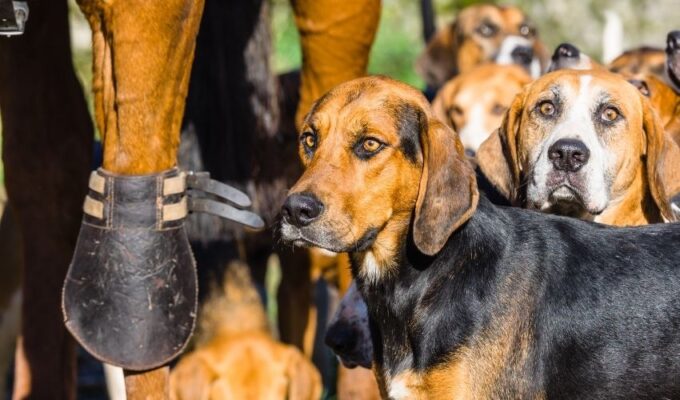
{"x":473,"y":103}
{"x":673,"y":59}
{"x":577,"y":143}
{"x":377,"y":162}
{"x":479,"y":34}
{"x":639,"y":62}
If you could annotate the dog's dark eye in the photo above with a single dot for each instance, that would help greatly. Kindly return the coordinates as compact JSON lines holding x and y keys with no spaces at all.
{"x":456,"y":110}
{"x":610,"y":114}
{"x":547,"y":108}
{"x":526,"y":31}
{"x":498,"y":109}
{"x":368,"y":147}
{"x":487,"y":29}
{"x":308,"y":140}
{"x":371,"y":145}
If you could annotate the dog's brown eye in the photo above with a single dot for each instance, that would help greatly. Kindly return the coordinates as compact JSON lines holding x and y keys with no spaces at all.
{"x":309,"y":140}
{"x":456,"y":110}
{"x":547,"y":108}
{"x":525,"y":30}
{"x":610,"y":114}
{"x":487,"y":30}
{"x":370,"y":145}
{"x":367,"y":148}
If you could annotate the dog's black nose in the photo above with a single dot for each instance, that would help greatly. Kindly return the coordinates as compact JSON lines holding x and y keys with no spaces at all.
{"x":301,"y":209}
{"x":568,"y":155}
{"x":673,"y":41}
{"x":565,"y":50}
{"x":522,"y":55}
{"x":342,"y":339}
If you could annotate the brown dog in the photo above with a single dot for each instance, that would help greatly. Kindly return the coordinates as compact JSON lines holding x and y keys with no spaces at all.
{"x":639,"y":62}
{"x":479,"y":34}
{"x":473,"y":103}
{"x":585,"y":144}
{"x":236,"y":357}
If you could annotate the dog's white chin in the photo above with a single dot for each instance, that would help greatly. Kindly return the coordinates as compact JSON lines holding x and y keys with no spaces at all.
{"x":567,"y":200}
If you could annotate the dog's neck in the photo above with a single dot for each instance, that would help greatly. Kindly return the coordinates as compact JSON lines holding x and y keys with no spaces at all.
{"x":380,"y":260}
{"x":417,"y":285}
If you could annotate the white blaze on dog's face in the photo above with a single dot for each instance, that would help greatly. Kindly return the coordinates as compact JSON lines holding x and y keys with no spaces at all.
{"x":473,"y":103}
{"x":576,"y":127}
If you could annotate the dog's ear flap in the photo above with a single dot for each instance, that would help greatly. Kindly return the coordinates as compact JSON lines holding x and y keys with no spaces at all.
{"x":440,"y":104}
{"x":304,"y":381}
{"x":498,"y":157}
{"x":438,"y":61}
{"x":662,"y":162}
{"x":447,"y":193}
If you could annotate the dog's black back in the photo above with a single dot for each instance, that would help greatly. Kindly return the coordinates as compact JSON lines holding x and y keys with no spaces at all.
{"x":585,"y":310}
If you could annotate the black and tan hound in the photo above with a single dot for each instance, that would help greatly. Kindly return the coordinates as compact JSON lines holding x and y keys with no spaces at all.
{"x":471,"y":300}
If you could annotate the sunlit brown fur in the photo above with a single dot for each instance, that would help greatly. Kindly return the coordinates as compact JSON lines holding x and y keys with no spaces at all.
{"x":141,"y":77}
{"x":236,"y":357}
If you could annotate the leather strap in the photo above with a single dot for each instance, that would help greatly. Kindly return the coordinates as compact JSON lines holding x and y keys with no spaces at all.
{"x":111,"y":196}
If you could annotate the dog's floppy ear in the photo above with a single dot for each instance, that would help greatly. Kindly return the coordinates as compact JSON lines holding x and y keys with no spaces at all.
{"x":438,"y":62}
{"x":662,"y":162}
{"x":440,"y":104}
{"x":498,"y":158}
{"x":447,"y":193}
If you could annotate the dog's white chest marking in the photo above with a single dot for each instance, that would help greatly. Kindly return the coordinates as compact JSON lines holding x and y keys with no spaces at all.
{"x":370,"y":268}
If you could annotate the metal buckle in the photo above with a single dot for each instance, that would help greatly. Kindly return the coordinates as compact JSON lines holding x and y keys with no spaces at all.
{"x":199,"y":184}
{"x":13,"y":17}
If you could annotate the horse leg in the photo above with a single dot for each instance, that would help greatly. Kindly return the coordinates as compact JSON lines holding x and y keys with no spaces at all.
{"x":142,"y":53}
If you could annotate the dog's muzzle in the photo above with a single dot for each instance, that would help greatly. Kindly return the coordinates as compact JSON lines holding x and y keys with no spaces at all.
{"x":130,"y":295}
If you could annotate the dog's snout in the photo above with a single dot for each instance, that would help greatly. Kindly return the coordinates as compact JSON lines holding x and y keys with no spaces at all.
{"x":301,"y":209}
{"x":568,"y":155}
{"x":522,"y":55}
{"x":673,"y":41}
{"x":342,"y":339}
{"x":565,"y":50}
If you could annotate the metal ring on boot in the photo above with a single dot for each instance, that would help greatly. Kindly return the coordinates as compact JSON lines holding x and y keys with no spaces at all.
{"x":130,"y":295}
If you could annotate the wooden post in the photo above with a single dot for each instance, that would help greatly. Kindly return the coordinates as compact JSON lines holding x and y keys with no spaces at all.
{"x":142,"y":56}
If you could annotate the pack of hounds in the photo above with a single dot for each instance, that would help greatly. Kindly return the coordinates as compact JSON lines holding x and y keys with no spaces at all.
{"x":514,"y":238}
